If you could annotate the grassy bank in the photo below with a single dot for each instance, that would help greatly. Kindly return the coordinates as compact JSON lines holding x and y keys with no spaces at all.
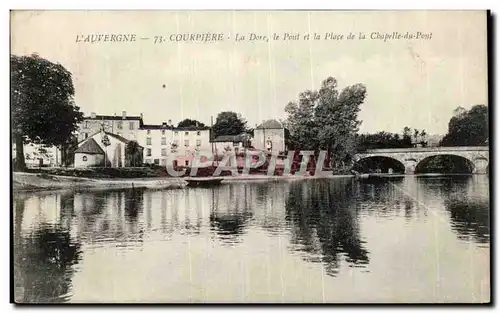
{"x":43,"y":181}
{"x":103,"y":172}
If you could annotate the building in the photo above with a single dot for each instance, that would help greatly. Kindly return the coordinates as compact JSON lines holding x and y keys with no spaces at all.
{"x":187,"y":141}
{"x":104,"y":149}
{"x":230,"y":143}
{"x":36,"y":155}
{"x":123,"y":126}
{"x":156,"y":140}
{"x":178,"y":143}
{"x":89,"y":154}
{"x":270,"y":136}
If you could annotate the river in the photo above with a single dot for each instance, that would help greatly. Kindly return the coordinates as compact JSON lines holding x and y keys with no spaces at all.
{"x":412,"y":239}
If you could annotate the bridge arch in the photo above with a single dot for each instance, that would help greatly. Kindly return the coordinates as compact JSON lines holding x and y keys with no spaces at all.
{"x":446,"y":163}
{"x":379,"y":163}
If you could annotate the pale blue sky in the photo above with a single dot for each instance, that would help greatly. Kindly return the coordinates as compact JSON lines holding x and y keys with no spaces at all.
{"x":409,"y":83}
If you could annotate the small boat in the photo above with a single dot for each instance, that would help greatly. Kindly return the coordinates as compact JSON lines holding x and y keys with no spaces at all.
{"x":203,"y":181}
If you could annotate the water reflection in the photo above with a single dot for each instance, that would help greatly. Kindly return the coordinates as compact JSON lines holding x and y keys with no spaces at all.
{"x":44,"y":261}
{"x":385,"y":198}
{"x":230,"y":212}
{"x":325,"y":223}
{"x":105,"y":215}
{"x":470,"y":218}
{"x":466,"y":198}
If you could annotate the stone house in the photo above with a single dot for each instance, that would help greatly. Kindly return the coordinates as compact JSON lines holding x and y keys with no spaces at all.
{"x":103,"y":149}
{"x":270,"y":136}
{"x":124,"y":126}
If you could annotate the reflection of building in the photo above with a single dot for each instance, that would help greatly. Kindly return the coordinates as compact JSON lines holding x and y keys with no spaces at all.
{"x":102,"y":147}
{"x":270,"y":136}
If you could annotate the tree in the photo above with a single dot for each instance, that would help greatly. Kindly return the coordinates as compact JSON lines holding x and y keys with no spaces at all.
{"x":188,"y":122}
{"x":43,"y":110}
{"x":229,"y":123}
{"x":468,"y":128}
{"x":133,"y":153}
{"x":326,"y":119}
{"x":382,"y":140}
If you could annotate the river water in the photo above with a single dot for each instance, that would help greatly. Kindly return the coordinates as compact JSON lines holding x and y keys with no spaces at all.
{"x":413,"y":239}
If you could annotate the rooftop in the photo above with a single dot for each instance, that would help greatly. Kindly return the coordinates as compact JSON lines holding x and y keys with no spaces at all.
{"x":90,"y":147}
{"x":230,"y":138}
{"x":113,"y":117}
{"x":270,"y":124}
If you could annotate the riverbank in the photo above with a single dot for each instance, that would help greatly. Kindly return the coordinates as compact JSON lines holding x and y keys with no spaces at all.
{"x":30,"y":182}
{"x":41,"y":181}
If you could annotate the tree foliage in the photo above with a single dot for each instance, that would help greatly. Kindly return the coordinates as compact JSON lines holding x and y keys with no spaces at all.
{"x":467,"y":128}
{"x":385,"y":140}
{"x":229,"y":123}
{"x":43,"y":110}
{"x":189,"y":122}
{"x":133,"y":153}
{"x":325,"y":119}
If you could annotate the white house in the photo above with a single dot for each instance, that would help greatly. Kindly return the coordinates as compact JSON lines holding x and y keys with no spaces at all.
{"x":102,"y":147}
{"x":180,"y":143}
{"x":39,"y":155}
{"x":270,"y":136}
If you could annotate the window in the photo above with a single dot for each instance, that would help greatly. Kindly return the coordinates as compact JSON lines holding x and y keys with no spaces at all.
{"x":198,"y":133}
{"x":176,"y":133}
{"x":120,"y":125}
{"x":187,"y":163}
{"x":186,"y":143}
{"x":163,"y":132}
{"x":148,"y":152}
{"x":163,"y":141}
{"x":148,"y":141}
{"x":131,"y":125}
{"x":84,"y":159}
{"x":86,"y":124}
{"x":86,"y":135}
{"x":149,"y":131}
{"x":186,"y":133}
{"x":198,"y":142}
{"x":148,"y":161}
{"x":163,"y":152}
{"x":157,"y":161}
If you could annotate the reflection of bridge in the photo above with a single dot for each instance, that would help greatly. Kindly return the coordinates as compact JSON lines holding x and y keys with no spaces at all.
{"x":411,"y":157}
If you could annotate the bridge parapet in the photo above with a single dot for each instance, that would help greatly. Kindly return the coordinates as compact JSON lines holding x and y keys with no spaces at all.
{"x":430,"y":149}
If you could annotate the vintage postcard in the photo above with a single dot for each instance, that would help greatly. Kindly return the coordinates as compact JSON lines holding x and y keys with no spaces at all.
{"x":250,"y":157}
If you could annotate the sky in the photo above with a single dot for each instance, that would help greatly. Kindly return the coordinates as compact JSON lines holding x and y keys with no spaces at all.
{"x":415,"y":83}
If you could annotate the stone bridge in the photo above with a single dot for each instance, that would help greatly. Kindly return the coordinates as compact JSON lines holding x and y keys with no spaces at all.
{"x":410,"y":157}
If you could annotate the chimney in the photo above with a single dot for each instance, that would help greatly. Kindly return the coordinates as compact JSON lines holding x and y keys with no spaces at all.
{"x":164,"y":125}
{"x":141,"y":116}
{"x":124,"y":115}
{"x":92,"y":115}
{"x":170,"y":122}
